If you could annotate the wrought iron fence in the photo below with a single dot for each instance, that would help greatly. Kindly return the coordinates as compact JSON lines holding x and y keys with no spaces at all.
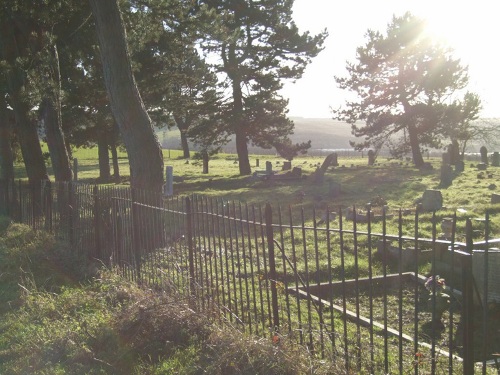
{"x":362,"y":286}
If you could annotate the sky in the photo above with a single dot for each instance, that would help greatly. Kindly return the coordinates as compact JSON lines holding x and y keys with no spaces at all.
{"x":470,"y":28}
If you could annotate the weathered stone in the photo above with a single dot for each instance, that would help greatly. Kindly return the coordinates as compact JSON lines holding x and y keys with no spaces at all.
{"x":484,"y":155}
{"x":495,"y":198}
{"x":287,"y":165}
{"x":495,"y":159}
{"x":482,"y":166}
{"x":432,"y":200}
{"x":446,"y":175}
{"x":269,"y":167}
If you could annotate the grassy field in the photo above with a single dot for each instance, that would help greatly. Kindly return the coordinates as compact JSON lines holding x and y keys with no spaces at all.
{"x":397,"y":184}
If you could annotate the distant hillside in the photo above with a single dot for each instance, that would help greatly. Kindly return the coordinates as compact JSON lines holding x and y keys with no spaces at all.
{"x":324,"y":133}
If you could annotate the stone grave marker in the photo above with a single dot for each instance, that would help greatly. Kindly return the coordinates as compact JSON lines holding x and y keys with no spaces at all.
{"x":484,"y":155}
{"x":446,"y":175}
{"x":495,"y":159}
{"x":432,"y":200}
{"x":287,"y":165}
{"x":495,"y":198}
{"x":269,"y":167}
{"x":493,"y":280}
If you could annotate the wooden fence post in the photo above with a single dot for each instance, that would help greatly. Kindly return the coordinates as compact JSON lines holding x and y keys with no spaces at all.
{"x":272,"y":267}
{"x":468,"y":304}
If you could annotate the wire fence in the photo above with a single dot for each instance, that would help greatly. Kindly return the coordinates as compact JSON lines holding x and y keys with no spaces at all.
{"x":359,"y":286}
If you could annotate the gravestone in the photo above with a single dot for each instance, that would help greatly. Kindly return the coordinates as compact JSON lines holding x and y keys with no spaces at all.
{"x":432,"y":200}
{"x":484,"y":155}
{"x":446,"y":175}
{"x":371,"y":157}
{"x":495,"y":159}
{"x":495,"y":198}
{"x":335,"y":160}
{"x":269,"y":167}
{"x":168,"y":189}
{"x":493,"y":280}
{"x":319,"y":173}
{"x":287,"y":165}
{"x":296,"y":172}
{"x":482,"y":166}
{"x":257,"y":162}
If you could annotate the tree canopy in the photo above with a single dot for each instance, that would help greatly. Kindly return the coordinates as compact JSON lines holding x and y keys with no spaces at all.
{"x":257,"y":46}
{"x":403,"y":81}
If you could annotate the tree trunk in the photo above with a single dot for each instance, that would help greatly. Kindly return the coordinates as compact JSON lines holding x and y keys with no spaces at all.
{"x":6,"y":155}
{"x":183,"y":127}
{"x":51,"y":114}
{"x":116,"y":168}
{"x":12,"y":42}
{"x":185,"y":146}
{"x":418,"y":159}
{"x":102,"y":151}
{"x":144,"y":151}
{"x":239,"y":130}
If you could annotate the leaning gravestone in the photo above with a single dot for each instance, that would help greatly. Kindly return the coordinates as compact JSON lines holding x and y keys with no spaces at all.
{"x":432,"y":200}
{"x":495,"y":159}
{"x":319,"y":174}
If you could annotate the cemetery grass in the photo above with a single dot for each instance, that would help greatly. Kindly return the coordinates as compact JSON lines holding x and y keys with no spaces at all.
{"x":397,"y":184}
{"x":59,"y":319}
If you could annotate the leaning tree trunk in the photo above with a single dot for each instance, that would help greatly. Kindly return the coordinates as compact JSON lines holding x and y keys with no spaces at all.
{"x":51,"y":113}
{"x":144,"y":151}
{"x":418,"y":159}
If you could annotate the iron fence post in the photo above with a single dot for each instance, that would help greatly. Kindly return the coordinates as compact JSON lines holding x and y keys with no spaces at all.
{"x":97,"y":224}
{"x":272,"y":266}
{"x":70,"y":214}
{"x":468,"y":304}
{"x":20,"y":202}
{"x":189,"y":223}
{"x":136,"y":232}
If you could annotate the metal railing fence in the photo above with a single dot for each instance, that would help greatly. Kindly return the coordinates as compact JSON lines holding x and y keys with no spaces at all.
{"x":355,"y":287}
